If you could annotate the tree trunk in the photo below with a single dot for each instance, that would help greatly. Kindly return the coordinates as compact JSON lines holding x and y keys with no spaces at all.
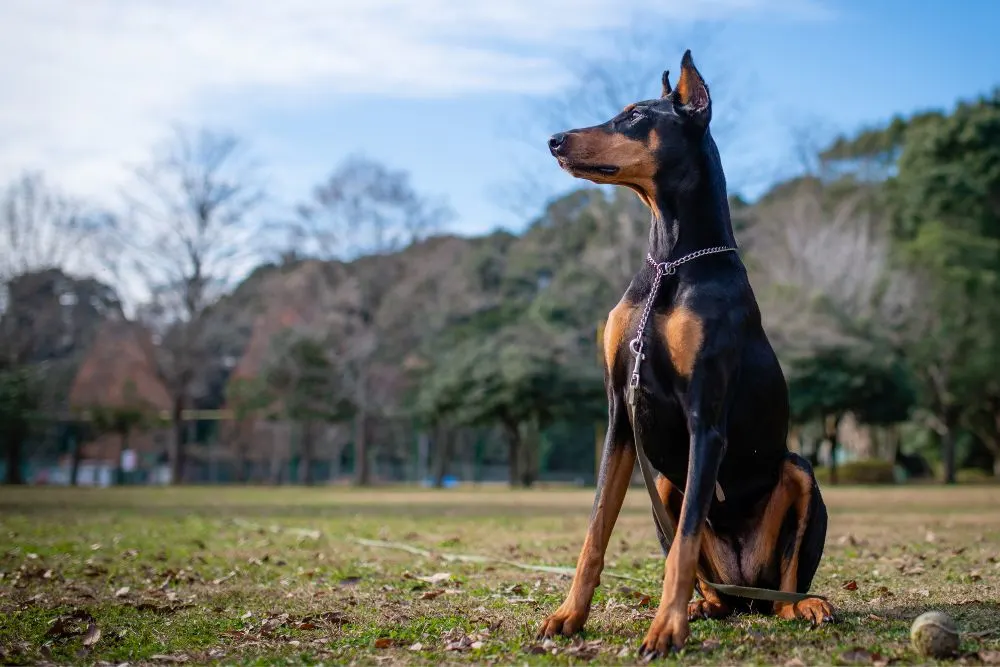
{"x":362,"y":469}
{"x":362,"y":466}
{"x":441,"y":453}
{"x":514,"y":443}
{"x":74,"y":466}
{"x":830,"y":430}
{"x":177,"y":459}
{"x":15,"y":448}
{"x":948,"y":444}
{"x":306,"y":453}
{"x":530,"y":452}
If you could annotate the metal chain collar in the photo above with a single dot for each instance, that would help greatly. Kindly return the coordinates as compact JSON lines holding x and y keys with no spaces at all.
{"x":662,"y":269}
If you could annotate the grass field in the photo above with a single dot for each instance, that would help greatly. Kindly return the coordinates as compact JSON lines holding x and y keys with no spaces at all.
{"x":278,"y":576}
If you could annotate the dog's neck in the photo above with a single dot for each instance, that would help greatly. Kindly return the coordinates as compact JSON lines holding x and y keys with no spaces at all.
{"x":693,"y":217}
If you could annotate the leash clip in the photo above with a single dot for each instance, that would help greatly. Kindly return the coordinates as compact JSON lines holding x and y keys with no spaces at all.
{"x":639,"y":356}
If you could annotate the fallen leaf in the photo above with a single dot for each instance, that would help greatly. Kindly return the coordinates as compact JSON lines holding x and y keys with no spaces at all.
{"x":306,"y":626}
{"x":930,"y":537}
{"x":215,"y":582}
{"x":416,"y":647}
{"x":383,"y":642}
{"x":122,"y":592}
{"x":851,"y":585}
{"x":436,"y":578}
{"x":858,"y":654}
{"x":169,"y":658}
{"x":710,"y":644}
{"x":990,"y":657}
{"x":430,"y":595}
{"x":93,"y":635}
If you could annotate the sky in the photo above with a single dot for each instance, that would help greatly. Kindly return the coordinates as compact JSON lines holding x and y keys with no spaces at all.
{"x":455,"y":92}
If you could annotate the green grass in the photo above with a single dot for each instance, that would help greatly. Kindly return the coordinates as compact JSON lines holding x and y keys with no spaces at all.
{"x":276,"y":576}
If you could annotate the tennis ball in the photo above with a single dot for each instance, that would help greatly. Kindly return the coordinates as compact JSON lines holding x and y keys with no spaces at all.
{"x":934,"y":635}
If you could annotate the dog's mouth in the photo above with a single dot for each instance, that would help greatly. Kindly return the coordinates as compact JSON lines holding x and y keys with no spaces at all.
{"x":596,"y":169}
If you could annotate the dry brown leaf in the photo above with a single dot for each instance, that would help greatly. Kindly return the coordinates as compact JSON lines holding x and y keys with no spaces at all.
{"x":990,"y":657}
{"x":430,"y":595}
{"x":170,"y":658}
{"x":383,"y":642}
{"x":93,"y":635}
{"x":859,"y":655}
{"x":851,"y":585}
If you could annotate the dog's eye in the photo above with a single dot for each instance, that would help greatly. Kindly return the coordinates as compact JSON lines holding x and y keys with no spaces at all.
{"x":635,"y":116}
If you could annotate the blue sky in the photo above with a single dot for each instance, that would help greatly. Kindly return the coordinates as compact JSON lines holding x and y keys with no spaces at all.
{"x":448,"y":89}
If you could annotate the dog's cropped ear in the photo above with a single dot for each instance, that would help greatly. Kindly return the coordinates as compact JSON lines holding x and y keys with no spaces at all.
{"x":691,"y":90}
{"x":666,"y":84}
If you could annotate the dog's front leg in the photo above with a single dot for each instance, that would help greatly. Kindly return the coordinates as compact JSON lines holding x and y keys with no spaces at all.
{"x":707,"y":447}
{"x":617,"y":462}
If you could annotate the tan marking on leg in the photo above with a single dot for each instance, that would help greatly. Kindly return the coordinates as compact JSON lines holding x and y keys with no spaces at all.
{"x":572,"y":614}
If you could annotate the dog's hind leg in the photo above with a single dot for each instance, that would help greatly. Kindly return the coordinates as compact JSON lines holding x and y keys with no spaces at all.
{"x":617,"y":463}
{"x":792,"y":532}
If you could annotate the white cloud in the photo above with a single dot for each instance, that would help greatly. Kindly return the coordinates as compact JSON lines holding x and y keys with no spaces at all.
{"x":89,"y":85}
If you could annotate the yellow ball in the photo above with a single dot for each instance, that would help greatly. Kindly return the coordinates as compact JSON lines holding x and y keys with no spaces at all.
{"x":934,"y":635}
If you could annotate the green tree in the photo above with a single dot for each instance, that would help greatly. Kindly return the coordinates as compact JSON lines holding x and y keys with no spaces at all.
{"x":835,"y":381}
{"x":947,"y":201}
{"x":520,"y":377}
{"x":303,"y":384}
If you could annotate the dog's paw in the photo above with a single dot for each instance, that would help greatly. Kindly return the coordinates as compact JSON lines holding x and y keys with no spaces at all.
{"x":702,"y":608}
{"x":668,"y":632}
{"x":567,"y":620}
{"x":814,"y":610}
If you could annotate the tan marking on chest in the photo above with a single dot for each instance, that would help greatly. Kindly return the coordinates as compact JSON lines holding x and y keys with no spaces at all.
{"x":614,"y":331}
{"x":683,"y":335}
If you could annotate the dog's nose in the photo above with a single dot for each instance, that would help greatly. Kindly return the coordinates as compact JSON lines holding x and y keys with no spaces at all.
{"x":556,"y":141}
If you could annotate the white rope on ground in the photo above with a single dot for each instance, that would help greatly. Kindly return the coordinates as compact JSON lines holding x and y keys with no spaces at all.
{"x":473,"y":558}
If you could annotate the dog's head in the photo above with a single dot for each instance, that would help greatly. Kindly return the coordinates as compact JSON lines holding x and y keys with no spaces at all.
{"x":646,"y":140}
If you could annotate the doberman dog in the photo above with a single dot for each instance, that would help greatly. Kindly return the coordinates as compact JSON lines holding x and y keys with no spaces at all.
{"x":711,"y":406}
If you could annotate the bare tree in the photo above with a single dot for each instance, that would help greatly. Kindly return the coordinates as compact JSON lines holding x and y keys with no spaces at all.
{"x":40,"y":230}
{"x":188,"y":231}
{"x":825,"y":271}
{"x":362,"y":209}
